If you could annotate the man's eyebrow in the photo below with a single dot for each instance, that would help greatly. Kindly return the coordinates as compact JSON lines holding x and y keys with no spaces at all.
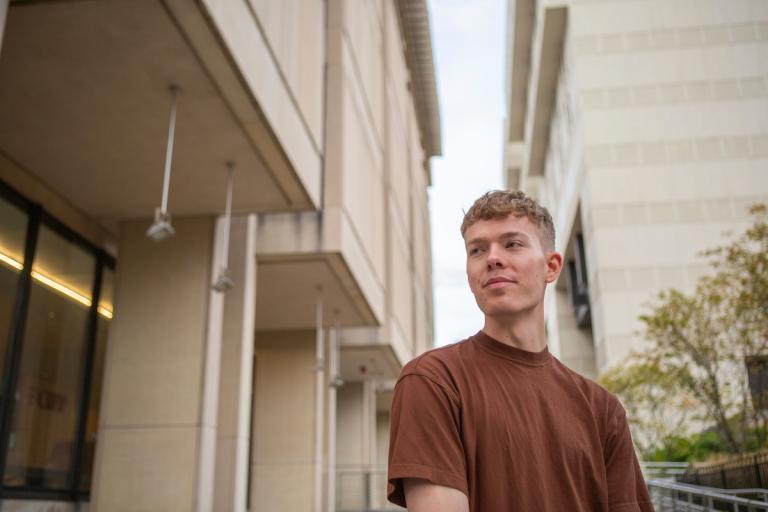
{"x":515,"y":234}
{"x":508,"y":234}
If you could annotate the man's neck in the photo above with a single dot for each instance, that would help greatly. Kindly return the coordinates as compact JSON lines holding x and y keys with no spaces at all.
{"x":523,"y":331}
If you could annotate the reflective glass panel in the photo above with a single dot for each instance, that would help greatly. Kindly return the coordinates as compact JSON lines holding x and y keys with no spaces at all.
{"x":92,"y":420}
{"x":13,"y":229}
{"x":40,"y":447}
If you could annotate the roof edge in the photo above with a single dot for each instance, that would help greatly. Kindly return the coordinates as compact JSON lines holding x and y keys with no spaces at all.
{"x":415,"y":27}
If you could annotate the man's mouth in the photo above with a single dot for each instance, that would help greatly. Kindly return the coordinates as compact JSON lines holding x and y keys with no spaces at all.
{"x":498,"y":282}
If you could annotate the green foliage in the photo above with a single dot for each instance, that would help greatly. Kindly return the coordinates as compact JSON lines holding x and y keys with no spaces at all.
{"x":655,"y":404}
{"x":697,"y":447}
{"x":698,"y":343}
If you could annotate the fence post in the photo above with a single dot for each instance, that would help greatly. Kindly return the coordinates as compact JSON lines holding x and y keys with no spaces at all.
{"x":722,"y":477}
{"x":758,"y":474}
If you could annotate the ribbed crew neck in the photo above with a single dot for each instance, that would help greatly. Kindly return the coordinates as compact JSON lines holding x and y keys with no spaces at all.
{"x":519,"y":355}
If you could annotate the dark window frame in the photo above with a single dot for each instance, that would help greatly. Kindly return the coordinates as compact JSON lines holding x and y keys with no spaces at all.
{"x":36,"y":217}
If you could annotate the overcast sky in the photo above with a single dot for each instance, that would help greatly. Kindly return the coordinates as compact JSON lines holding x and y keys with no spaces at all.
{"x":468,"y":41}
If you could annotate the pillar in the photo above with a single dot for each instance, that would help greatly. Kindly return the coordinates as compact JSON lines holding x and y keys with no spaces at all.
{"x":156,"y":437}
{"x":356,"y":450}
{"x":283,"y":459}
{"x":236,"y":376}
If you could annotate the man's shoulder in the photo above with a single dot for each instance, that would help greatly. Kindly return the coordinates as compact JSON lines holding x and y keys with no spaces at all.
{"x":438,"y":363}
{"x":592,"y":391}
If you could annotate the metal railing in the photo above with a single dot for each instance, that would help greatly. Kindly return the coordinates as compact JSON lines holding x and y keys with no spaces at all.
{"x":663,"y":469}
{"x":362,"y":488}
{"x":745,"y":471}
{"x":672,"y":496}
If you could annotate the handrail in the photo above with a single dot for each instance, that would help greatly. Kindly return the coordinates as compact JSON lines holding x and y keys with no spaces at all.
{"x":763,"y":493}
{"x":666,"y":469}
{"x":709,"y":495}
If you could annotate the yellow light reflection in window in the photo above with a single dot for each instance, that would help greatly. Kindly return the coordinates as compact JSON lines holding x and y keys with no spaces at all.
{"x":11,"y":262}
{"x":52,"y":283}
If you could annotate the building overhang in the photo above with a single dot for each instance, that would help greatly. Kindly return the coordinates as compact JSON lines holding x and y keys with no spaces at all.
{"x":513,"y":162}
{"x":301,"y":257}
{"x":521,"y":21}
{"x":85,"y":102}
{"x":544,"y":81}
{"x":367,"y":353}
{"x":414,"y":22}
{"x":548,"y":60}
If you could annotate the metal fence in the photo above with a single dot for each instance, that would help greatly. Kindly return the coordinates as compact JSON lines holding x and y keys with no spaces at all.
{"x":670,"y":496}
{"x":362,"y":488}
{"x":750,"y":471}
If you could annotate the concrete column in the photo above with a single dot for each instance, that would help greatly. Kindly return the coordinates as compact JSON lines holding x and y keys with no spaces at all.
{"x":356,"y":452}
{"x":379,"y":495}
{"x":236,"y":377}
{"x":282,"y":442}
{"x":334,"y":344}
{"x":320,"y":441}
{"x":577,"y":350}
{"x":349,"y":452}
{"x":156,"y":424}
{"x":368,"y":411}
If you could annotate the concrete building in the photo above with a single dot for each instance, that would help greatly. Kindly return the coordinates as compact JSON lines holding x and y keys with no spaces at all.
{"x":243,"y":363}
{"x":643,"y":126}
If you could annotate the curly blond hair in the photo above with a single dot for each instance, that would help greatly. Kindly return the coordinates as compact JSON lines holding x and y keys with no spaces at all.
{"x":497,"y":204}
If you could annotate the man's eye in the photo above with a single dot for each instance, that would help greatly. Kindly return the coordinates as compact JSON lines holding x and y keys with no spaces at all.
{"x":514,"y":243}
{"x":474,"y":250}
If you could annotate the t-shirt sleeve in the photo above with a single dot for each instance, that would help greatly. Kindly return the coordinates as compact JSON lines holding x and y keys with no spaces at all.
{"x":425,"y":436}
{"x":627,"y":491}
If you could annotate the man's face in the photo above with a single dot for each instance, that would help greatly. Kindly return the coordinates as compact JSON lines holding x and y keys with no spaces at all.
{"x":507,"y":266}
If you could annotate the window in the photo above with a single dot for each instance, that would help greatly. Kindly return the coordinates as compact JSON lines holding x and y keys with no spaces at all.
{"x":45,"y":414}
{"x":13,"y":228}
{"x":55,"y":312}
{"x":88,"y":449}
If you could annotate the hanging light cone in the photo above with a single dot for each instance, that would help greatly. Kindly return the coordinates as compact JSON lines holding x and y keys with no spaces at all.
{"x":161,"y":228}
{"x":224,"y":282}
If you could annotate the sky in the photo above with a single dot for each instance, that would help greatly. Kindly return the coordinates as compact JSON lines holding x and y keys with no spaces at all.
{"x":468,"y":45}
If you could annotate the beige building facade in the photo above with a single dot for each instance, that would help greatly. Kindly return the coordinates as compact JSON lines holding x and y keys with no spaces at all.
{"x":643,"y":126}
{"x":197,"y":359}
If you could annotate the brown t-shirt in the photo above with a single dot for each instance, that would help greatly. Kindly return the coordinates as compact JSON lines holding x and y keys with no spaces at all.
{"x":514,"y":431}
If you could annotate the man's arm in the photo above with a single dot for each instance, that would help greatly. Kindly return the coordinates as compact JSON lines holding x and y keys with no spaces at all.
{"x":425,"y":439}
{"x":424,"y":496}
{"x":627,"y":490}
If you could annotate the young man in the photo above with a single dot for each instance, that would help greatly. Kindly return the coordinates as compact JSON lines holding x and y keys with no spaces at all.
{"x":495,"y":423}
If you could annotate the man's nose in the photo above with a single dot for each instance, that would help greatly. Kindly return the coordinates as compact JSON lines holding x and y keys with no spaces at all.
{"x":494,"y":259}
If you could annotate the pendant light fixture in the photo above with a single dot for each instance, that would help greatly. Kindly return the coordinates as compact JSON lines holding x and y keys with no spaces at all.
{"x":224,"y":281}
{"x":161,"y":228}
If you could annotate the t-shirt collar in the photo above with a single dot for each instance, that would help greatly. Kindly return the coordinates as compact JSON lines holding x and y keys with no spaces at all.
{"x":509,"y":352}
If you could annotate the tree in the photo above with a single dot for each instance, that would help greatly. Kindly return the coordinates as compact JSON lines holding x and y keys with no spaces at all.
{"x":694,"y":366}
{"x":656,"y":405}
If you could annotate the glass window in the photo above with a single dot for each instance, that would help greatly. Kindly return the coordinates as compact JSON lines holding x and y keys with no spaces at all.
{"x":44,"y":418}
{"x":13,"y":229}
{"x":92,"y":419}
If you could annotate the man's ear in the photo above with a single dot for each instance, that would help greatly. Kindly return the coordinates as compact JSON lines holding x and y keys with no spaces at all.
{"x":554,"y":265}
